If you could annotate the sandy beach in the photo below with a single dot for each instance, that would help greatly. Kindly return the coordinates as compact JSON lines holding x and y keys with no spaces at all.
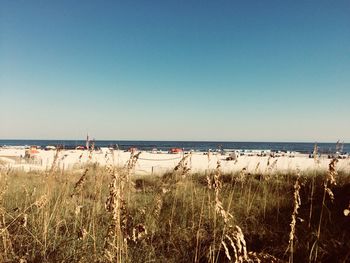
{"x":158,"y":163}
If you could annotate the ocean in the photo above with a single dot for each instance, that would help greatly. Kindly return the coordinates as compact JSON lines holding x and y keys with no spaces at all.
{"x":187,"y":145}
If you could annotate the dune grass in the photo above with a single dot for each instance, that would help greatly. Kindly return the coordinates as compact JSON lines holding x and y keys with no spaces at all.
{"x":99,"y":214}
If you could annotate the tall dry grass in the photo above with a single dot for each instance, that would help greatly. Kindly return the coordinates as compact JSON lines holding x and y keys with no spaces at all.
{"x":109,"y":214}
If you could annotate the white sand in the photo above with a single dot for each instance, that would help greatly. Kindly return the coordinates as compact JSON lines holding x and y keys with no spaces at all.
{"x":158,"y":163}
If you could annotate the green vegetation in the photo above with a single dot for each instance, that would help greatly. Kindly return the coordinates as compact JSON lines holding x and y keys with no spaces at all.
{"x":103,"y":214}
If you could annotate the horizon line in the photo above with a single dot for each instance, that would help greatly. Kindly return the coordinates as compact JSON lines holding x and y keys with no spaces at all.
{"x":151,"y":140}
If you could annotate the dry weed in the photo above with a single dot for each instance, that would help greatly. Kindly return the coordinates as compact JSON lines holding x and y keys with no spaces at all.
{"x":296,"y":206}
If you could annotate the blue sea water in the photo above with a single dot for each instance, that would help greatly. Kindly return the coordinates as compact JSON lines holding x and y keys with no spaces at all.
{"x":187,"y":145}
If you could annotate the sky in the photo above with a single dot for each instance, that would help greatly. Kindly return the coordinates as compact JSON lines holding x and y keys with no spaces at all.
{"x":175,"y":70}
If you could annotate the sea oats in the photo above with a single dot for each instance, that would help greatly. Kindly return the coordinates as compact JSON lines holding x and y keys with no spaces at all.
{"x":79,"y":184}
{"x":242,"y":175}
{"x":138,"y":232}
{"x":296,"y":206}
{"x":257,"y":167}
{"x":235,"y":238}
{"x":332,"y":172}
{"x":41,"y":202}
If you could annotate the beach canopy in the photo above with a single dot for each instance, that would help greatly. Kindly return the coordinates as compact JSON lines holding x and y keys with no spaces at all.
{"x":176,"y":150}
{"x":31,"y":152}
{"x":80,"y":147}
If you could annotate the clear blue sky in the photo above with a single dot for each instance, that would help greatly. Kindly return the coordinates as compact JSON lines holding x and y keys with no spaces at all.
{"x":175,"y":70}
